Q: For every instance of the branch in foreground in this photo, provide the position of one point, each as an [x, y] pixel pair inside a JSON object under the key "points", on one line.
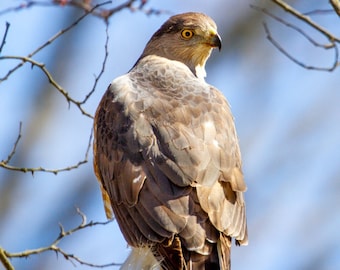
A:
{"points": [[4, 255], [4, 163]]}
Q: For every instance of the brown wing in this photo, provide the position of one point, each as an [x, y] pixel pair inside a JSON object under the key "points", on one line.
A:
{"points": [[169, 161]]}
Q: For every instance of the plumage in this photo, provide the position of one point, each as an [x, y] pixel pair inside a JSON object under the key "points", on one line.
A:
{"points": [[166, 153]]}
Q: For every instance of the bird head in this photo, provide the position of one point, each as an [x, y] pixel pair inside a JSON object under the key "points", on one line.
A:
{"points": [[188, 38]]}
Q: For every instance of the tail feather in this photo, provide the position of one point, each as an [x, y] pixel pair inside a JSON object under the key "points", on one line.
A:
{"points": [[174, 256], [223, 250], [170, 255], [141, 258]]}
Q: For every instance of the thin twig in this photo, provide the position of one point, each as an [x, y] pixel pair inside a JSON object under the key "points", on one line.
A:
{"points": [[282, 50], [87, 7], [4, 163], [84, 224], [318, 12], [51, 80], [4, 37], [294, 27], [106, 54], [54, 245], [52, 39], [331, 45], [23, 5], [108, 13], [41, 169], [306, 19], [11, 154]]}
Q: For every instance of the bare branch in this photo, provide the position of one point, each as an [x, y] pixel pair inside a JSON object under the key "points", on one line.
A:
{"points": [[84, 224], [23, 5], [11, 154], [101, 72], [4, 37], [4, 163], [51, 40], [4, 260], [294, 27], [88, 7], [277, 45], [108, 13], [331, 38], [336, 6], [4, 255], [318, 12], [51, 81], [306, 19]]}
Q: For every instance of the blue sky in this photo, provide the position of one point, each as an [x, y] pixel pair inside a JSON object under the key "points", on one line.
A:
{"points": [[287, 119]]}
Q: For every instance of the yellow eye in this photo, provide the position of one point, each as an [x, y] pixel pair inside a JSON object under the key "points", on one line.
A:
{"points": [[187, 34]]}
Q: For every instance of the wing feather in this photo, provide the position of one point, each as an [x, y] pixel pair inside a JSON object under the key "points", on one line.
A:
{"points": [[168, 159]]}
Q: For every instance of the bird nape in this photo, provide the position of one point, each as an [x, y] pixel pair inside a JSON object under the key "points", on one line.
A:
{"points": [[166, 154]]}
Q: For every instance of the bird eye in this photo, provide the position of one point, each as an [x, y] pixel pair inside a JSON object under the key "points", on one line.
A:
{"points": [[187, 34]]}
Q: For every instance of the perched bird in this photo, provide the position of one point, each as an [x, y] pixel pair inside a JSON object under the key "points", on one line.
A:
{"points": [[166, 154]]}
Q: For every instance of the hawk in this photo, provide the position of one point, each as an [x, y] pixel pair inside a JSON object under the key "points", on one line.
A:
{"points": [[166, 154]]}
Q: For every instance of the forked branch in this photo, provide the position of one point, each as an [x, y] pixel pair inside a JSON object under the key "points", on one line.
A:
{"points": [[5, 256], [333, 41], [5, 163]]}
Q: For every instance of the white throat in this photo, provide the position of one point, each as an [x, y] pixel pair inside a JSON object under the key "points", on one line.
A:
{"points": [[200, 72]]}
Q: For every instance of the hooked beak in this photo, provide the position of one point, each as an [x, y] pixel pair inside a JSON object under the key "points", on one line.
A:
{"points": [[216, 41]]}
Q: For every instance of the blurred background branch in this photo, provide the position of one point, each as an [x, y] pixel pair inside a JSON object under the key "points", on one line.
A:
{"points": [[336, 6], [333, 40], [90, 6]]}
